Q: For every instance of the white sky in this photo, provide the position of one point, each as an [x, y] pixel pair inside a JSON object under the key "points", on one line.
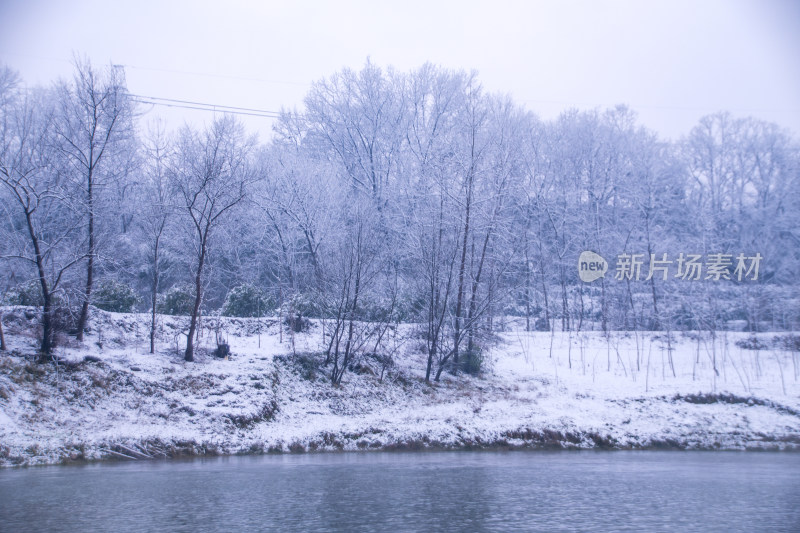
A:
{"points": [[672, 61]]}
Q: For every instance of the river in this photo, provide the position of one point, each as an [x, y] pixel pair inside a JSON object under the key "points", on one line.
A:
{"points": [[436, 491]]}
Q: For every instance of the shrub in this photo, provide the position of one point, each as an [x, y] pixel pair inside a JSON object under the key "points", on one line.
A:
{"points": [[115, 296], [28, 293], [246, 301], [307, 365], [222, 350], [65, 320], [297, 323], [63, 317], [177, 301], [300, 304], [472, 361], [375, 308], [751, 343], [787, 342]]}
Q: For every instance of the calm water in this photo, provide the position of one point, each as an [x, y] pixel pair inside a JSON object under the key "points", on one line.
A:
{"points": [[445, 491]]}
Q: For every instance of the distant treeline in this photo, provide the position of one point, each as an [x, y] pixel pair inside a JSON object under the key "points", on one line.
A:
{"points": [[393, 196]]}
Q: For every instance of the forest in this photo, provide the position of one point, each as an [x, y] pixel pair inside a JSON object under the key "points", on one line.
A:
{"points": [[391, 197]]}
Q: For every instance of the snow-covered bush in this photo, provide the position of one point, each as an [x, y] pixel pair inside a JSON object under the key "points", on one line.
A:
{"points": [[752, 343], [246, 301], [409, 308], [28, 293], [177, 301], [115, 296], [301, 304], [375, 309], [787, 342], [297, 323], [308, 366], [472, 361]]}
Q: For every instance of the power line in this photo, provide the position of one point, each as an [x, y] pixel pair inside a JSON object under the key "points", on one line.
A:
{"points": [[206, 109], [201, 106]]}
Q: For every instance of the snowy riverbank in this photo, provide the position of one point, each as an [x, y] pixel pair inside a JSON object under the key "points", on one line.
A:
{"points": [[570, 390]]}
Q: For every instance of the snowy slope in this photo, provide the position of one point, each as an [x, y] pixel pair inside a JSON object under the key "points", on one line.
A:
{"points": [[572, 390]]}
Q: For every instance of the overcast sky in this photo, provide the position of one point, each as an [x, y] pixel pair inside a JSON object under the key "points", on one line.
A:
{"points": [[671, 61]]}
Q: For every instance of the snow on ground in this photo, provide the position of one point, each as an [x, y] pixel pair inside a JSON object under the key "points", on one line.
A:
{"points": [[565, 389]]}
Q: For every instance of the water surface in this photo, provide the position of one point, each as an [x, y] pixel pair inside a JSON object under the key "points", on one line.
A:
{"points": [[440, 491]]}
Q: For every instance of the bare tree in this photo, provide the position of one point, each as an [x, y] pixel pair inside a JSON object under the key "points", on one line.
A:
{"points": [[297, 200], [210, 173], [156, 209], [474, 144], [40, 201], [434, 97], [357, 117], [353, 274], [93, 123]]}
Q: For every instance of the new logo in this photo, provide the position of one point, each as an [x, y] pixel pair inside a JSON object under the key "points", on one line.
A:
{"points": [[591, 266]]}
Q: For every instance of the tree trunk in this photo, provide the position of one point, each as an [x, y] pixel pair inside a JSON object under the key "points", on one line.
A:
{"points": [[47, 329], [656, 323], [564, 301], [153, 296], [461, 270], [198, 288], [84, 316], [2, 337], [527, 285], [438, 304], [47, 319], [441, 367], [338, 373], [433, 337], [543, 272], [429, 366]]}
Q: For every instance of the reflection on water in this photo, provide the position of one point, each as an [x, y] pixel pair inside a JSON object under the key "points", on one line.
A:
{"points": [[443, 491]]}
